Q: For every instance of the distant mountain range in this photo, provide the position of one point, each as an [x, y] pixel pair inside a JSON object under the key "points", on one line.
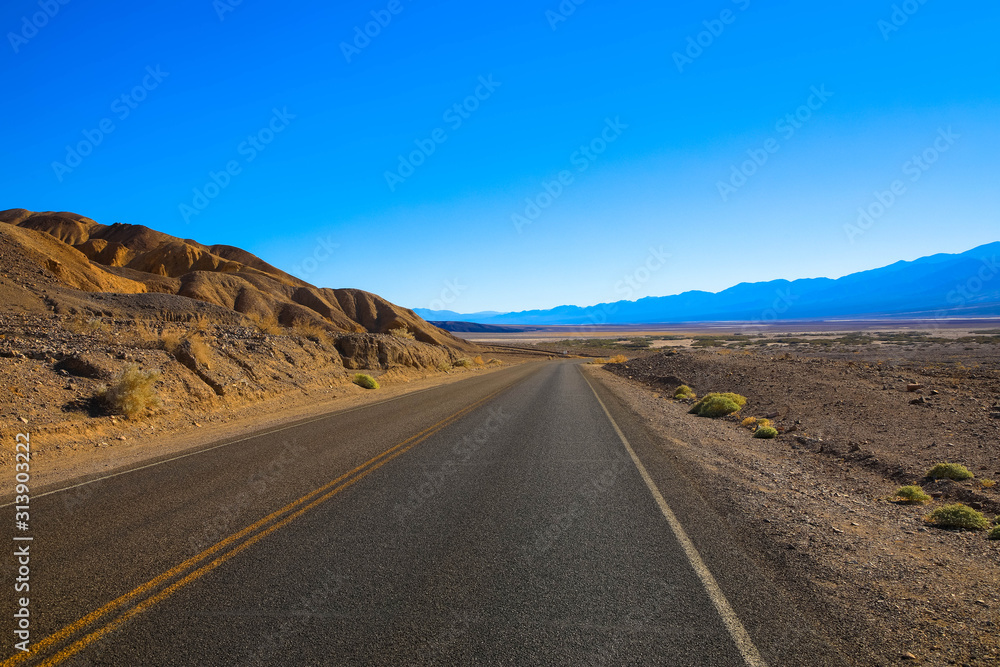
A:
{"points": [[938, 286]]}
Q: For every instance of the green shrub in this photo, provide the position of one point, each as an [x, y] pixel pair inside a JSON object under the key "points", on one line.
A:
{"points": [[949, 471], [684, 393], [912, 495], [958, 515], [131, 393], [994, 533], [718, 405], [464, 363], [365, 381], [766, 432]]}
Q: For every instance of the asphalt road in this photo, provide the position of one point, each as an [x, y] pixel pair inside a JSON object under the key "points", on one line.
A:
{"points": [[501, 520]]}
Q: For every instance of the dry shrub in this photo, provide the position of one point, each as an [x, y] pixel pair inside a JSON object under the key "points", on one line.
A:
{"points": [[86, 325], [171, 339], [402, 332], [266, 324], [312, 331], [201, 352], [131, 393], [618, 359], [147, 336], [478, 360], [201, 323]]}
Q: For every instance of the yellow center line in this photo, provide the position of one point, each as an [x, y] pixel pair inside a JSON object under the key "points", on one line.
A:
{"points": [[360, 471]]}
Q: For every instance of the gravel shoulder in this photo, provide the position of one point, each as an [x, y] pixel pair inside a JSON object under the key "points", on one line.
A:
{"points": [[817, 500]]}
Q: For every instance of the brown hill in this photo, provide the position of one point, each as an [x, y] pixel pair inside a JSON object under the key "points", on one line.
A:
{"points": [[59, 260]]}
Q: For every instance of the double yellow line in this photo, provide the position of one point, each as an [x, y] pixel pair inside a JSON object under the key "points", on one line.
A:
{"points": [[152, 592]]}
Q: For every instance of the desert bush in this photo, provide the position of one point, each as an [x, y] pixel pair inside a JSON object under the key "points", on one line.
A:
{"points": [[463, 363], [912, 495], [618, 359], [444, 367], [365, 381], [86, 325], [493, 362], [749, 422], [201, 323], [131, 392], [309, 329], [987, 483], [953, 471], [598, 361], [147, 336], [958, 515], [684, 393], [171, 339], [478, 360], [201, 351], [994, 533], [266, 324], [766, 433], [718, 405], [402, 332]]}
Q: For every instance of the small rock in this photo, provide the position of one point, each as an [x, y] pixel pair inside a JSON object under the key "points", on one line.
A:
{"points": [[122, 437], [908, 656], [918, 401], [913, 386], [24, 419]]}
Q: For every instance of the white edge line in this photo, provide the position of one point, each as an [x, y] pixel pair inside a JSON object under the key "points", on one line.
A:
{"points": [[732, 622], [224, 444]]}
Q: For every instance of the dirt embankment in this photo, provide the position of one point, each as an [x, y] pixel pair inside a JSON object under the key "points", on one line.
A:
{"points": [[817, 500]]}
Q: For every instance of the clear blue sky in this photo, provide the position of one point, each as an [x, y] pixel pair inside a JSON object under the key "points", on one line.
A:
{"points": [[322, 178]]}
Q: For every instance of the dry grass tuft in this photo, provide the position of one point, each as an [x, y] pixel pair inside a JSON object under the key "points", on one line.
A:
{"points": [[266, 324], [618, 359], [402, 332], [313, 331], [131, 393]]}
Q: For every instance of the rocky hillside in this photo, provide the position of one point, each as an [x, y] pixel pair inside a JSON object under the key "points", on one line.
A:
{"points": [[68, 264]]}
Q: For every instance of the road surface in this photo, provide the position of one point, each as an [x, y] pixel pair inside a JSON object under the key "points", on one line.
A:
{"points": [[521, 517]]}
